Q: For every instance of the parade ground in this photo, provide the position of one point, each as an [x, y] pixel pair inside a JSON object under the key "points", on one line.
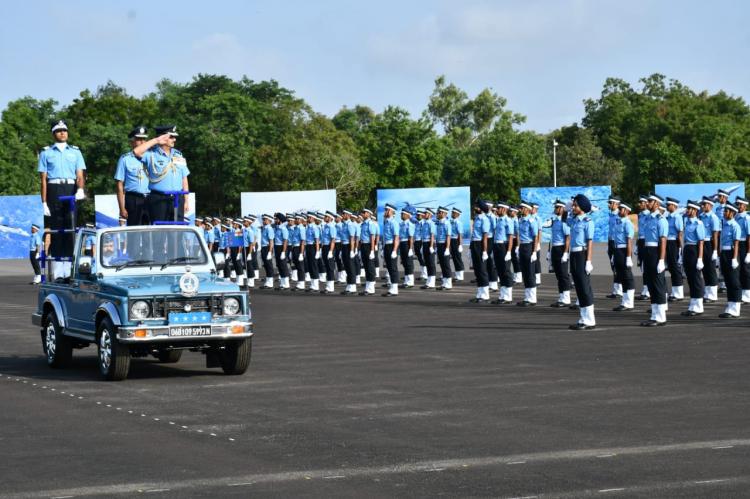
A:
{"points": [[423, 395]]}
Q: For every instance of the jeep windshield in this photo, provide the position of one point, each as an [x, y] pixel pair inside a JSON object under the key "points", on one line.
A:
{"points": [[159, 247]]}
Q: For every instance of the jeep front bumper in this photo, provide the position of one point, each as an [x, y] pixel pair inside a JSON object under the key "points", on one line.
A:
{"points": [[150, 334]]}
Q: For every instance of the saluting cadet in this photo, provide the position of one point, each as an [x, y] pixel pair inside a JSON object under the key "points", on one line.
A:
{"points": [[528, 232], [391, 241], [581, 251], [743, 219], [348, 252], [418, 225], [560, 253], [457, 247], [132, 181], [731, 235], [367, 251], [480, 232], [674, 248], [341, 271], [312, 251], [328, 246], [443, 241], [517, 276], [429, 231], [623, 233], [502, 249], [266, 253], [712, 226], [643, 212], [60, 169], [406, 246], [613, 216], [538, 249], [35, 246], [655, 229], [692, 258]]}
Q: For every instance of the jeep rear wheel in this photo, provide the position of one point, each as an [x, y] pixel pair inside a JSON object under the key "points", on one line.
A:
{"points": [[235, 358], [57, 347], [114, 357]]}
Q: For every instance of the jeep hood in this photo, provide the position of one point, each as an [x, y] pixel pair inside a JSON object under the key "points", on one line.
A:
{"points": [[169, 284]]}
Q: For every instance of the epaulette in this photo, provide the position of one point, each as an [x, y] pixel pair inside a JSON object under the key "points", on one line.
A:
{"points": [[73, 147], [586, 219], [45, 148], [176, 152]]}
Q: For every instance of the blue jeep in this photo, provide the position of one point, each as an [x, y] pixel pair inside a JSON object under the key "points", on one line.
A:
{"points": [[140, 291]]}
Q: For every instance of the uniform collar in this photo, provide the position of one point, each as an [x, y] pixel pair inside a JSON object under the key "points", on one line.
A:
{"points": [[56, 144]]}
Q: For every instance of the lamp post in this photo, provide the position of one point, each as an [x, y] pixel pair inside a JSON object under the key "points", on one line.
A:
{"points": [[554, 162]]}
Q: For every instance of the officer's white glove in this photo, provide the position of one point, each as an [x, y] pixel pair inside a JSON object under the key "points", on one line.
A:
{"points": [[317, 255], [507, 256], [715, 256], [447, 251], [372, 255], [432, 250], [301, 257], [352, 254], [330, 255], [283, 256], [660, 267], [735, 263], [612, 261], [565, 257], [269, 255], [393, 254], [411, 252], [589, 267], [46, 210], [79, 194], [460, 248], [516, 250], [484, 256], [699, 264], [249, 258], [679, 260], [533, 256], [747, 259], [629, 261]]}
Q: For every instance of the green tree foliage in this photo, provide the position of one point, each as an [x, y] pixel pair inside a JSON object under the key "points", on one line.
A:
{"points": [[580, 157]]}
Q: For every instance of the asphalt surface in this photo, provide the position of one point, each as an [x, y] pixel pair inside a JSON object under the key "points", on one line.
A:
{"points": [[423, 395]]}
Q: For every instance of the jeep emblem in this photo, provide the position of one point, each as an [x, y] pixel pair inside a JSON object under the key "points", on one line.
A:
{"points": [[189, 284]]}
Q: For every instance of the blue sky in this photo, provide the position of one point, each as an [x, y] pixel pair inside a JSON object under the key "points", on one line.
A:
{"points": [[544, 57]]}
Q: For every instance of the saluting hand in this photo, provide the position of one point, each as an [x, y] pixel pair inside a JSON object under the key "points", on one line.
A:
{"points": [[163, 139]]}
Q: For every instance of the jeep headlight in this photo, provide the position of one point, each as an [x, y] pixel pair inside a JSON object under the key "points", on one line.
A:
{"points": [[139, 310], [231, 306]]}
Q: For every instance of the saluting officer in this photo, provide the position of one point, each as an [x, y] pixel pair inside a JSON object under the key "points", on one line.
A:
{"points": [[623, 233], [528, 234], [429, 231], [674, 248], [743, 219], [443, 240], [655, 230], [367, 251], [502, 249], [266, 253], [132, 182], [60, 168], [581, 252], [712, 225], [731, 235], [391, 241], [457, 247], [406, 246], [643, 213], [692, 258], [613, 216], [328, 246], [560, 253], [480, 232]]}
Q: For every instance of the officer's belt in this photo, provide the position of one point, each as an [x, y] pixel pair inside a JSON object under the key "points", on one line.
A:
{"points": [[61, 181], [726, 248], [134, 193], [651, 244], [621, 246], [559, 244], [577, 249], [691, 244], [672, 238]]}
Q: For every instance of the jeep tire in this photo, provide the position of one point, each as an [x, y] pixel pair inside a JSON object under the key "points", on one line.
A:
{"points": [[114, 357], [235, 357], [58, 348], [169, 356]]}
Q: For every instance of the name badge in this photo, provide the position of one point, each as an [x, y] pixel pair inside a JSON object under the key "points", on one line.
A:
{"points": [[179, 160]]}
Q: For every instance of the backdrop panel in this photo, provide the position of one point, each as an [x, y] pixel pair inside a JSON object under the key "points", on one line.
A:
{"points": [[17, 213], [429, 197], [546, 197], [287, 201], [108, 211], [683, 192]]}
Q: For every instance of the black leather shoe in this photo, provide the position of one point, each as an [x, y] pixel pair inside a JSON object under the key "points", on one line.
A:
{"points": [[363, 293], [574, 307], [708, 300], [673, 299], [621, 308], [478, 300], [388, 294], [581, 327], [722, 291], [725, 315], [643, 298], [611, 295], [525, 304], [559, 304], [690, 313], [650, 323], [348, 293]]}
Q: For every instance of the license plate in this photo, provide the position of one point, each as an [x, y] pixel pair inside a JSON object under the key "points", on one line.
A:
{"points": [[190, 331]]}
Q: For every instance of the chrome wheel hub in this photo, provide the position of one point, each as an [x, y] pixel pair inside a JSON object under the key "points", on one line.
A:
{"points": [[49, 339], [105, 350]]}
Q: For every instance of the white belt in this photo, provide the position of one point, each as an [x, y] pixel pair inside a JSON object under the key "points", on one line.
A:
{"points": [[622, 246], [671, 239], [726, 248], [558, 244], [61, 181], [576, 249], [652, 245]]}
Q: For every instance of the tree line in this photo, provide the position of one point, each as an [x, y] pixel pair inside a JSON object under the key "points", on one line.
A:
{"points": [[258, 136]]}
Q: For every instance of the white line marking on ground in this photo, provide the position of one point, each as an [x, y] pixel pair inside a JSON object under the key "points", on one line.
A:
{"points": [[723, 447], [716, 480], [333, 477], [239, 484], [606, 455], [517, 462], [604, 491]]}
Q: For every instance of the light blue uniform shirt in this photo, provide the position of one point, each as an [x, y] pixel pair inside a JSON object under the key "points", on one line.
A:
{"points": [[503, 228], [35, 241], [614, 216], [528, 227], [493, 223], [357, 230], [223, 236], [248, 236], [418, 230], [581, 230], [346, 231], [694, 231], [443, 230], [743, 220], [266, 235], [57, 163], [217, 233], [390, 230], [655, 227], [312, 233], [280, 234], [712, 224], [165, 171], [730, 232], [561, 230], [641, 217], [328, 233], [295, 235], [675, 225], [132, 174], [339, 231], [406, 230], [368, 229], [622, 230], [428, 230], [209, 236], [457, 227], [480, 228]]}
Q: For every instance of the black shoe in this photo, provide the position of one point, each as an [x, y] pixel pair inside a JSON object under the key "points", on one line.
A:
{"points": [[722, 291], [388, 294], [643, 298], [612, 295], [478, 300], [690, 313], [622, 308], [427, 287], [384, 285], [559, 304], [725, 315], [673, 299], [525, 304], [650, 323], [266, 287], [364, 293], [574, 307], [581, 327], [707, 300], [348, 293]]}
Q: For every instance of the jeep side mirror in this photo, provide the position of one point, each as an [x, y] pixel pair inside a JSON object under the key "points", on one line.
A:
{"points": [[219, 261], [84, 265]]}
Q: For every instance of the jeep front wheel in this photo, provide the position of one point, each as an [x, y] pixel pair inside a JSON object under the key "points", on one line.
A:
{"points": [[114, 357], [57, 347], [235, 357]]}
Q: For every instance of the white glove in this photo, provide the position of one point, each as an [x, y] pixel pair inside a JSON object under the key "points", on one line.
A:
{"points": [[484, 256], [660, 267], [330, 255], [283, 256], [460, 248], [432, 249], [629, 261], [507, 256], [447, 251], [714, 256], [79, 194], [301, 257], [549, 256], [352, 254], [612, 261], [269, 256], [372, 255], [533, 256], [747, 259], [679, 260], [589, 267], [46, 210], [317, 255], [393, 254], [565, 257], [735, 263], [411, 252], [699, 264], [516, 250]]}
